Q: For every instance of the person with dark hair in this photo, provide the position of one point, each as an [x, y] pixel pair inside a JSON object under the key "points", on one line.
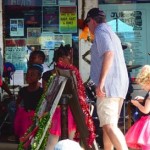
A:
{"points": [[62, 54], [38, 57], [109, 73], [27, 100]]}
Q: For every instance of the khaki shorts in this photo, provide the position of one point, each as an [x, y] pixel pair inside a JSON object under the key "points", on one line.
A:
{"points": [[108, 110]]}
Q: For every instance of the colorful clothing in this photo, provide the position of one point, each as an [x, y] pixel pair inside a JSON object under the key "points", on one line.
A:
{"points": [[23, 121], [25, 113], [55, 128], [138, 136]]}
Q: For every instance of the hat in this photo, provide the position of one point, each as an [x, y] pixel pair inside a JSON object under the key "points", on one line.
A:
{"points": [[94, 12], [39, 67], [9, 69], [67, 145]]}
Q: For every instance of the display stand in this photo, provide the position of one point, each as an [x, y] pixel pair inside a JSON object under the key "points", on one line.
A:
{"points": [[71, 89]]}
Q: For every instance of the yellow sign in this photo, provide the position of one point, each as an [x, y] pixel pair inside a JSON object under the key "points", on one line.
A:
{"points": [[68, 20]]}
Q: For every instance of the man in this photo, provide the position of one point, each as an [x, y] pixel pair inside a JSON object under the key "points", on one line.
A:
{"points": [[109, 73]]}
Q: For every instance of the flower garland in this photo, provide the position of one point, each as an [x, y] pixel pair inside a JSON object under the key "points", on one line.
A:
{"points": [[82, 101]]}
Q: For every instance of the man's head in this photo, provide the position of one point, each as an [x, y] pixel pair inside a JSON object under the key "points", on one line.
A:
{"points": [[96, 14]]}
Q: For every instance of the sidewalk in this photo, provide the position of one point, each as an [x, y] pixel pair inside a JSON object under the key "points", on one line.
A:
{"points": [[8, 146]]}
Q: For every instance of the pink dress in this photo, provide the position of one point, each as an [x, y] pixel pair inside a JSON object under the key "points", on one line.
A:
{"points": [[23, 120], [138, 136], [55, 127]]}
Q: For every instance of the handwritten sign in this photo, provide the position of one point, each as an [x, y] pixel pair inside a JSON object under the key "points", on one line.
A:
{"points": [[68, 20]]}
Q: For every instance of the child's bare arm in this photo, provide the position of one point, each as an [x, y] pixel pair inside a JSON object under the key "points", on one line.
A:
{"points": [[139, 98], [144, 109]]}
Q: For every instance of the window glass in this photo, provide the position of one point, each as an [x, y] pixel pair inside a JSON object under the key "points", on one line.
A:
{"points": [[122, 1], [38, 25], [131, 23]]}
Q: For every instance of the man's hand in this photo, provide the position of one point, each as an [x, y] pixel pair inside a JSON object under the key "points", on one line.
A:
{"points": [[100, 92]]}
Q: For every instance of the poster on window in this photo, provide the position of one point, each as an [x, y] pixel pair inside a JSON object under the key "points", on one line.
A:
{"points": [[48, 2], [49, 54], [23, 2], [16, 53], [68, 20], [51, 18], [63, 39], [17, 27], [67, 2], [33, 18], [33, 35], [47, 40], [52, 41]]}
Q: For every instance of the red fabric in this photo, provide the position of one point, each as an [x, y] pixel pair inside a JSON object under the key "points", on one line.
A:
{"points": [[1, 81], [23, 121], [56, 122]]}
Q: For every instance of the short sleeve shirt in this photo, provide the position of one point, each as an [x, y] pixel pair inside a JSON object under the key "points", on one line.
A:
{"points": [[117, 81]]}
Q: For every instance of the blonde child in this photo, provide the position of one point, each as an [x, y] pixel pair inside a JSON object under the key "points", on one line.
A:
{"points": [[138, 136]]}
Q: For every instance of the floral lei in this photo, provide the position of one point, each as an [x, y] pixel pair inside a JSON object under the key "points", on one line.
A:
{"points": [[82, 101]]}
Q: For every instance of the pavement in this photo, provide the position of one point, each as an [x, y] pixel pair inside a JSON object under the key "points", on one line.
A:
{"points": [[8, 146]]}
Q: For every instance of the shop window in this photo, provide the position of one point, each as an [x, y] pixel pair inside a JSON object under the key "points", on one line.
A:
{"points": [[38, 25], [130, 20]]}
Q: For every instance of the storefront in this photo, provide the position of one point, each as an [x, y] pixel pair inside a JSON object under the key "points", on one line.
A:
{"points": [[28, 25], [130, 20], [37, 25]]}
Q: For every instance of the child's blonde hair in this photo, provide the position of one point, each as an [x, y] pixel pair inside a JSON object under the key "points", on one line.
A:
{"points": [[143, 76]]}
